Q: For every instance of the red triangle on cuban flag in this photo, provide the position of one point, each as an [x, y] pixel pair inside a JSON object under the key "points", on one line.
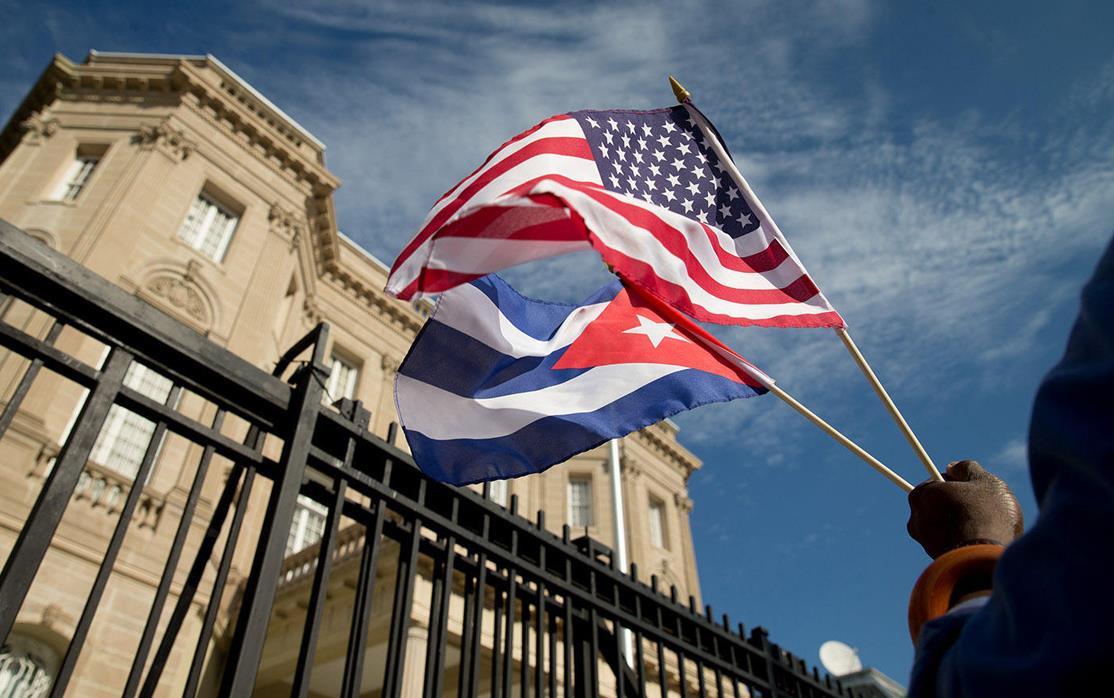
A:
{"points": [[637, 328]]}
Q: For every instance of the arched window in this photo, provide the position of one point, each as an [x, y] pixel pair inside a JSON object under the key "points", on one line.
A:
{"points": [[27, 667]]}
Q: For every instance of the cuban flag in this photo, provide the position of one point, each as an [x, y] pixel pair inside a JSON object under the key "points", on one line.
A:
{"points": [[498, 385]]}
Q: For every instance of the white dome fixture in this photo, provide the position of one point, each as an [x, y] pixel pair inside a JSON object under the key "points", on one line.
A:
{"points": [[839, 658]]}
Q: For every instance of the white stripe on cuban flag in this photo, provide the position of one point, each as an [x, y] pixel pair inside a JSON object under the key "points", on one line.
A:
{"points": [[498, 385]]}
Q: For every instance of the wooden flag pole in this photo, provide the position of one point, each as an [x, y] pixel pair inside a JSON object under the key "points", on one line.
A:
{"points": [[682, 96], [906, 430], [839, 437]]}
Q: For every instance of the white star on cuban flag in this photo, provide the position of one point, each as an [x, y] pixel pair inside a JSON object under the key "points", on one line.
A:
{"points": [[656, 332]]}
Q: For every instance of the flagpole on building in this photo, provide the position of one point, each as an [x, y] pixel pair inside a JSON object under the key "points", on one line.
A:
{"points": [[683, 96], [620, 535]]}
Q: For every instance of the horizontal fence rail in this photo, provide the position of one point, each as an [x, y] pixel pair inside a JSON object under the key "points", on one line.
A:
{"points": [[414, 588]]}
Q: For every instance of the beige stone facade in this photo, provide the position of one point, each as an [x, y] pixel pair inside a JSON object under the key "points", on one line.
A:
{"points": [[174, 179]]}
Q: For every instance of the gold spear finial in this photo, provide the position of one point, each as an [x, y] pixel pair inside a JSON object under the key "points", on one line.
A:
{"points": [[679, 90]]}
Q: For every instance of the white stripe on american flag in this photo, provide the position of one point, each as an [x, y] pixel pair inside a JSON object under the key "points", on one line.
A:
{"points": [[485, 256], [552, 128], [645, 245], [617, 233], [555, 132]]}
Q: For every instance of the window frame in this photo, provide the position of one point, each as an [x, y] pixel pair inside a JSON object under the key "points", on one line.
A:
{"points": [[196, 236], [498, 491], [659, 538], [299, 525], [117, 420], [588, 506], [76, 177], [352, 381]]}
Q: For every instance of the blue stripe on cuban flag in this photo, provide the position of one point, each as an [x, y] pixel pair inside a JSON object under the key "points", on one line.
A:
{"points": [[490, 388]]}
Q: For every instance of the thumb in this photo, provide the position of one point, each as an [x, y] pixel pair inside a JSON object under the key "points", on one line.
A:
{"points": [[966, 471]]}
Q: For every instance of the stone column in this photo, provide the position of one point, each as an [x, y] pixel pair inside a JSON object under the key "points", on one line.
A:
{"points": [[413, 671]]}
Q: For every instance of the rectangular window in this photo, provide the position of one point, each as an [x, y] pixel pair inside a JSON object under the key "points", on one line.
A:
{"points": [[497, 492], [76, 176], [125, 436], [657, 524], [580, 502], [308, 526], [343, 376], [208, 227]]}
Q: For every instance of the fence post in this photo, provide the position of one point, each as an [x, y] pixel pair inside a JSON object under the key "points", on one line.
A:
{"points": [[246, 649], [34, 540], [771, 652]]}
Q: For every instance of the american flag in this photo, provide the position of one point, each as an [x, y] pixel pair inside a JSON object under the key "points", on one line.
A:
{"points": [[646, 191]]}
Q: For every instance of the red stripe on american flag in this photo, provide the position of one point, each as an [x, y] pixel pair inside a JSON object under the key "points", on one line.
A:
{"points": [[513, 223], [648, 282], [766, 260], [438, 280], [801, 289], [644, 276], [571, 147], [524, 134]]}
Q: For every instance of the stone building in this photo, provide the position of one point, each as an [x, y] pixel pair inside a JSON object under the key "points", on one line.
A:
{"points": [[176, 180]]}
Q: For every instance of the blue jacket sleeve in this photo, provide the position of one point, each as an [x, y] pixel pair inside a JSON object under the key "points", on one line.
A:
{"points": [[1048, 628]]}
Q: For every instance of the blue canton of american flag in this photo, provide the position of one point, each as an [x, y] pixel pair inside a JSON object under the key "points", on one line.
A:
{"points": [[661, 157], [643, 189]]}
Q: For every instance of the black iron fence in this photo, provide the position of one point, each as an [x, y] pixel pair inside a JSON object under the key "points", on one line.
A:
{"points": [[434, 590]]}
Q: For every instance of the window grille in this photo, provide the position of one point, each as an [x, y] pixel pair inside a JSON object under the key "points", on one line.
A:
{"points": [[343, 376], [308, 526], [580, 502], [27, 668], [497, 492], [208, 227], [76, 177], [125, 435], [657, 524]]}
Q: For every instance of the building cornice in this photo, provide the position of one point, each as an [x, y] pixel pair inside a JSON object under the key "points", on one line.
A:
{"points": [[661, 438], [202, 83], [392, 312]]}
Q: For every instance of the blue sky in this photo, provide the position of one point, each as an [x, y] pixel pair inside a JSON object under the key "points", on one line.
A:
{"points": [[943, 169]]}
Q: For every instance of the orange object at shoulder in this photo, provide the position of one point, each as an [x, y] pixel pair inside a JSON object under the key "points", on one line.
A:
{"points": [[950, 576]]}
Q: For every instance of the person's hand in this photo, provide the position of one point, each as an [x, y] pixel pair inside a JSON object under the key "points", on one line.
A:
{"points": [[971, 506]]}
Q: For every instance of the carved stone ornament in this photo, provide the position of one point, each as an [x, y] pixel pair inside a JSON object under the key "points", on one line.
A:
{"points": [[171, 141], [54, 618], [389, 364], [683, 503], [312, 311], [36, 129], [180, 293], [631, 468], [286, 224]]}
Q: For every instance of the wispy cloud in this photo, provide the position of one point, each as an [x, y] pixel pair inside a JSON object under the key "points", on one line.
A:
{"points": [[941, 238], [1013, 457], [942, 243]]}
